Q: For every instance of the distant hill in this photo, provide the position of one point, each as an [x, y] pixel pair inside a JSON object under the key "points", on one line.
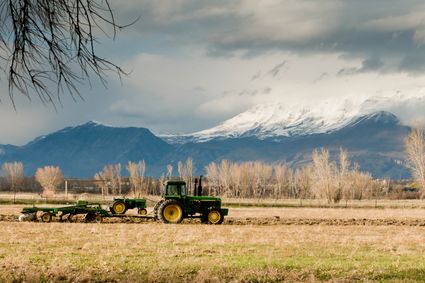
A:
{"points": [[375, 141], [83, 150]]}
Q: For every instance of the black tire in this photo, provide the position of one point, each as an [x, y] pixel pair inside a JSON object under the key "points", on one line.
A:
{"points": [[170, 211], [90, 217], [142, 211], [155, 209], [70, 218], [118, 207], [204, 219], [46, 217], [98, 218], [214, 216]]}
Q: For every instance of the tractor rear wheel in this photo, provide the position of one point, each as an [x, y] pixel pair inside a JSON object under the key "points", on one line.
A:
{"points": [[215, 216], [155, 209], [46, 217], [170, 211], [119, 207]]}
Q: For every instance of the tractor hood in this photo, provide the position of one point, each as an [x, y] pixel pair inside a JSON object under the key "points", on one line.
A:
{"points": [[205, 198]]}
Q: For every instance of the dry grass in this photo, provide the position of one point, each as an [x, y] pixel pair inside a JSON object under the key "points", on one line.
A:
{"points": [[153, 252], [328, 213]]}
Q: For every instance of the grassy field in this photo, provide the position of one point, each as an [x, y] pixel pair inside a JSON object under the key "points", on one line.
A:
{"points": [[153, 252], [303, 244]]}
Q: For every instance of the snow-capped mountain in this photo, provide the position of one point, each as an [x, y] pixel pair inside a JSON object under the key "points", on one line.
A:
{"points": [[277, 120], [370, 130]]}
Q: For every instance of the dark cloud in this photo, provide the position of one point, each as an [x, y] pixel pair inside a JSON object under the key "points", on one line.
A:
{"points": [[390, 30]]}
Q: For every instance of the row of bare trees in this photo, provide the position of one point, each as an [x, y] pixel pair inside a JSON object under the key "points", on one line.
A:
{"points": [[323, 178], [49, 177], [110, 179]]}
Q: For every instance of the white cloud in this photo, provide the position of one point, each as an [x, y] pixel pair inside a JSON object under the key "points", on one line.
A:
{"points": [[196, 63]]}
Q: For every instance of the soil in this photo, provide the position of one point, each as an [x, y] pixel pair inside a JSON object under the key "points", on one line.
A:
{"points": [[257, 221]]}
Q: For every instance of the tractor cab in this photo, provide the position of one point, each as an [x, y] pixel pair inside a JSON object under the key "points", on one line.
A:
{"points": [[174, 188]]}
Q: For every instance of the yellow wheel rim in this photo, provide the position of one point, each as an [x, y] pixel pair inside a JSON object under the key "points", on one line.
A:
{"points": [[119, 208], [142, 211], [214, 216], [45, 217], [172, 213]]}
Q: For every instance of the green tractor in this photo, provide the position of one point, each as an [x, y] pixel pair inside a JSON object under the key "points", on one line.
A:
{"points": [[121, 205], [177, 205]]}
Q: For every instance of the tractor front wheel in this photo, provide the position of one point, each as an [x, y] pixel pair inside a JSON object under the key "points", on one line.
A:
{"points": [[215, 216], [119, 207], [46, 217], [170, 211]]}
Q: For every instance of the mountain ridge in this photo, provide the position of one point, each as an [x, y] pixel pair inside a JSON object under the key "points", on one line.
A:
{"points": [[278, 120], [375, 141]]}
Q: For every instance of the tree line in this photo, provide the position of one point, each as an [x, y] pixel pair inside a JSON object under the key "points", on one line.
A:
{"points": [[323, 178]]}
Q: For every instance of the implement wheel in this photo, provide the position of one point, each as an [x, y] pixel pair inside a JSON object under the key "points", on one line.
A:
{"points": [[170, 211], [142, 211], [119, 207], [215, 216], [46, 217], [70, 218]]}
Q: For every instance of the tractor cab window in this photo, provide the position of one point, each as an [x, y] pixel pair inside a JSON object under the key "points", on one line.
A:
{"points": [[183, 190], [172, 190]]}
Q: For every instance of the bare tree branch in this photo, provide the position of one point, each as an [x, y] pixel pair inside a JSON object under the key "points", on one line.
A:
{"points": [[52, 42]]}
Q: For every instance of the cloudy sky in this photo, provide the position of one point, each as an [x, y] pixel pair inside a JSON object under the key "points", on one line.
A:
{"points": [[196, 63]]}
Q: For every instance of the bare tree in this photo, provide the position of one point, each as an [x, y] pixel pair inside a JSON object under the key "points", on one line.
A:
{"points": [[180, 170], [47, 42], [188, 176], [344, 176], [49, 177], [110, 178], [169, 171], [117, 177], [137, 175], [213, 177], [103, 182], [225, 176], [324, 176], [415, 152], [15, 175], [280, 172], [302, 180], [362, 185], [264, 173]]}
